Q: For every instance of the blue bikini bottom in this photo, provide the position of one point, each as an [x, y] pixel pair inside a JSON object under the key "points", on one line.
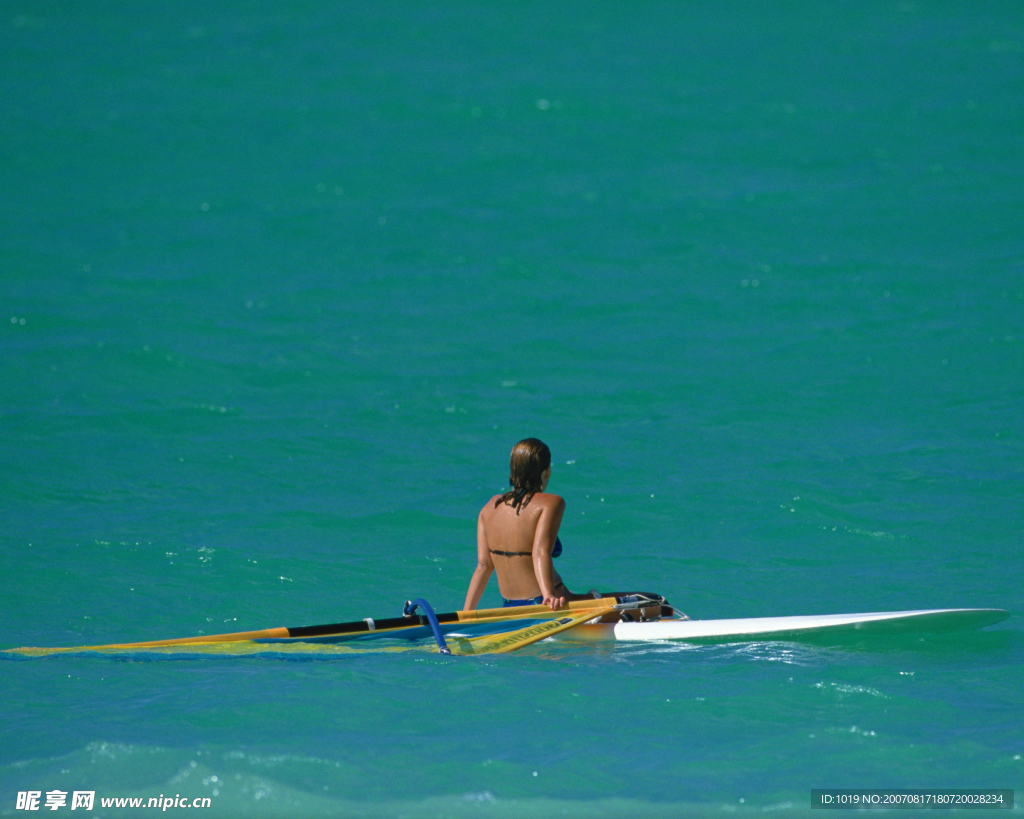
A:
{"points": [[531, 602]]}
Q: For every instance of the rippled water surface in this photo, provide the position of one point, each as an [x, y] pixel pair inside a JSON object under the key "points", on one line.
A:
{"points": [[281, 284]]}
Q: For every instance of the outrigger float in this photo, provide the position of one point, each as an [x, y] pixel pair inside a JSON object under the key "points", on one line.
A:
{"points": [[497, 631]]}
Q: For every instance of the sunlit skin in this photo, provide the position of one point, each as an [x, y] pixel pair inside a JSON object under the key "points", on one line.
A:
{"points": [[532, 530]]}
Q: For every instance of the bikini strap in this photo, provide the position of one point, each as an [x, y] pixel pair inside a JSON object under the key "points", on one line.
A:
{"points": [[554, 552]]}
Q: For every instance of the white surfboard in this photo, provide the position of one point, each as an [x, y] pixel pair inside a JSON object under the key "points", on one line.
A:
{"points": [[781, 628]]}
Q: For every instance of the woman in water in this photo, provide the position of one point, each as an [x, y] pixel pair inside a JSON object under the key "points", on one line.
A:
{"points": [[517, 535]]}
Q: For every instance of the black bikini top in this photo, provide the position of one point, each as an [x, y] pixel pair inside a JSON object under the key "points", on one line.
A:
{"points": [[556, 552]]}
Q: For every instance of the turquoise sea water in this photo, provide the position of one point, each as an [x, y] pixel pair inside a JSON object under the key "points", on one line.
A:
{"points": [[282, 283]]}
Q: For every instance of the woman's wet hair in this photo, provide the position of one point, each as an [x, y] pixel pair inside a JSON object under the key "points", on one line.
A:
{"points": [[530, 457]]}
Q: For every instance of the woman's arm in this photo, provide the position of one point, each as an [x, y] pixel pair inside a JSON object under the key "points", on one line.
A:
{"points": [[484, 567], [477, 584], [544, 542]]}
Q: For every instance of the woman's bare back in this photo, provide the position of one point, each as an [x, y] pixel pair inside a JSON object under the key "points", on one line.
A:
{"points": [[518, 544]]}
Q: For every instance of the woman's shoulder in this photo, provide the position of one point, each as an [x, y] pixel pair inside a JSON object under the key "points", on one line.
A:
{"points": [[539, 501], [491, 505], [549, 500]]}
